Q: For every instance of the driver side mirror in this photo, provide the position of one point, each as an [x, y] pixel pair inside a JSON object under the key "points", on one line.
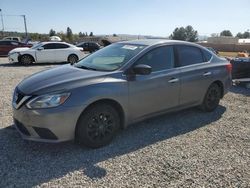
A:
{"points": [[40, 48], [142, 69]]}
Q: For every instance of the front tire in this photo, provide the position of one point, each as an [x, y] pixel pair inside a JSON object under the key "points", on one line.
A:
{"points": [[26, 60], [212, 98], [72, 59], [97, 126]]}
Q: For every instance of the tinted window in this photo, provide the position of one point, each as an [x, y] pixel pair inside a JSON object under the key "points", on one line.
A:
{"points": [[207, 55], [50, 46], [159, 59], [59, 46], [189, 55], [5, 43]]}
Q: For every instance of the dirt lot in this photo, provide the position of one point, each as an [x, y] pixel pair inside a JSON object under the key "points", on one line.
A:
{"points": [[185, 149]]}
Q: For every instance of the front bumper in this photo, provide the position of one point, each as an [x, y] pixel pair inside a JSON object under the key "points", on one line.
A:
{"points": [[47, 125], [13, 58]]}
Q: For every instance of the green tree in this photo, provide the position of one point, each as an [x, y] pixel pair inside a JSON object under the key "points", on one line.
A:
{"points": [[91, 34], [52, 32], [81, 34], [226, 33], [186, 34], [114, 35], [191, 34], [69, 34], [239, 35], [179, 34], [246, 35]]}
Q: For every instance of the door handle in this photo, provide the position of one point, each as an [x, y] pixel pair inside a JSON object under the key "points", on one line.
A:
{"points": [[207, 74], [173, 80]]}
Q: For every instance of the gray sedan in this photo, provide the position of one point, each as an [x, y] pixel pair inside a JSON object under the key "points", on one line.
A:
{"points": [[118, 85]]}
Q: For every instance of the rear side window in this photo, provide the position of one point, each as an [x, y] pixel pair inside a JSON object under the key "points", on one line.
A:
{"points": [[60, 46], [189, 55], [207, 55], [161, 58]]}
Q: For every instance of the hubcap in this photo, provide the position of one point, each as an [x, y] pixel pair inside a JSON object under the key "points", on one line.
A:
{"points": [[26, 60], [72, 59], [100, 126]]}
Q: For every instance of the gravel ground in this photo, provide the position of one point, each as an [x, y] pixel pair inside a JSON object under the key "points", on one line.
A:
{"points": [[185, 149]]}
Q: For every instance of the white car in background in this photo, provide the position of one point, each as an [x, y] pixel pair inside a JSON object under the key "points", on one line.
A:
{"points": [[47, 52]]}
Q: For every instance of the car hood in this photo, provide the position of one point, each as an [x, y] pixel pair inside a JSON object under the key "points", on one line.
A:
{"points": [[19, 49], [60, 78]]}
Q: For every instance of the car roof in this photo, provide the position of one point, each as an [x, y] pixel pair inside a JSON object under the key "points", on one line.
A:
{"points": [[53, 42], [10, 41], [153, 42]]}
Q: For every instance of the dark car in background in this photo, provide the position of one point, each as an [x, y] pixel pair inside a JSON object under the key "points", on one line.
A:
{"points": [[89, 46], [240, 67], [8, 45]]}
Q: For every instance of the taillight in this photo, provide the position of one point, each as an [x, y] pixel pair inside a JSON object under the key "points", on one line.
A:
{"points": [[229, 67]]}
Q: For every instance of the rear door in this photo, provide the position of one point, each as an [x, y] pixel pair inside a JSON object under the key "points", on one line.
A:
{"points": [[62, 52], [157, 91], [195, 76]]}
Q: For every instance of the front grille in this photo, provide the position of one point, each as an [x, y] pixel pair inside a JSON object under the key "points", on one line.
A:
{"points": [[19, 98], [45, 133], [21, 128]]}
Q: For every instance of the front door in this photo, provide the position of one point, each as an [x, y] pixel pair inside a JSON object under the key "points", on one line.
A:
{"points": [[46, 54], [157, 91]]}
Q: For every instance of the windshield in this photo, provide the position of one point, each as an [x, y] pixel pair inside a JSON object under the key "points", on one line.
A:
{"points": [[36, 46], [111, 57]]}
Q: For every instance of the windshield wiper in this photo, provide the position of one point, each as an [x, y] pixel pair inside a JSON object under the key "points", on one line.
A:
{"points": [[87, 68]]}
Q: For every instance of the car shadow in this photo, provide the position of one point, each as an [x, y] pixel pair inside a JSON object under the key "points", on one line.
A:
{"points": [[32, 65], [240, 89], [27, 164]]}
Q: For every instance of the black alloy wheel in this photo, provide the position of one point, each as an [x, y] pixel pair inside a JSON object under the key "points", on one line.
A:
{"points": [[98, 125], [26, 60], [212, 98]]}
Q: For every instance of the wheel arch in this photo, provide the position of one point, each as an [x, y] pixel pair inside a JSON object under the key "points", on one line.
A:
{"points": [[72, 54], [21, 55]]}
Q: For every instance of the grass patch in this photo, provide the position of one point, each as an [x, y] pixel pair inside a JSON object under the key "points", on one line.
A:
{"points": [[228, 54]]}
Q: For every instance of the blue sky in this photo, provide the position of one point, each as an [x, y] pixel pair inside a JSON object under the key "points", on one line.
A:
{"points": [[144, 17]]}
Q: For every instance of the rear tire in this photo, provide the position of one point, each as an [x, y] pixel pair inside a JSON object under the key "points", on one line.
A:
{"points": [[212, 98], [97, 126], [26, 60], [72, 58]]}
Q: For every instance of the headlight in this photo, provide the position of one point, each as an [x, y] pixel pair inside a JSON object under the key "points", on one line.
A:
{"points": [[12, 53], [48, 101]]}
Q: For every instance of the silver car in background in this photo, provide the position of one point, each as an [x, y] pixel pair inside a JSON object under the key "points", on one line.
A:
{"points": [[121, 84]]}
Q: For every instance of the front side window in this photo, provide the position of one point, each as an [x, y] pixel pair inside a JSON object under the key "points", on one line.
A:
{"points": [[50, 46], [161, 58], [189, 55], [111, 57]]}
